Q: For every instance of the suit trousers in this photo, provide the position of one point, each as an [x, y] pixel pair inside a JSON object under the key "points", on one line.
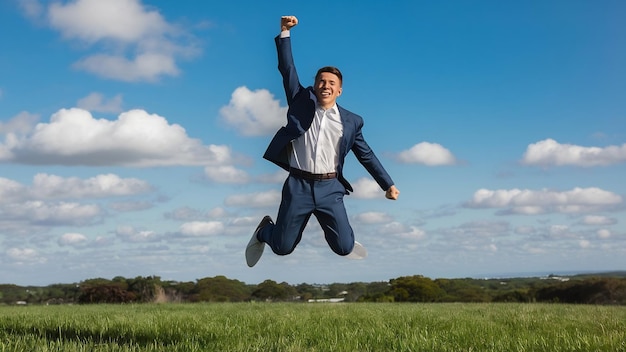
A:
{"points": [[302, 198]]}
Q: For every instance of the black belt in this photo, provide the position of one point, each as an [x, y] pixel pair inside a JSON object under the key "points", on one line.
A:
{"points": [[313, 177]]}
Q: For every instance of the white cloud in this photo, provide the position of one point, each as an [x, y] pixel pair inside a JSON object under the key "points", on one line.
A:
{"points": [[560, 231], [277, 177], [255, 200], [226, 174], [246, 221], [373, 218], [545, 201], [217, 212], [131, 206], [430, 154], [72, 239], [20, 124], [486, 229], [191, 214], [144, 67], [184, 213], [25, 208], [25, 255], [32, 9], [402, 231], [96, 102], [604, 234], [11, 191], [551, 153], [53, 187], [525, 230], [119, 27], [47, 187], [366, 188], [253, 113], [533, 249], [201, 228], [136, 138], [61, 213], [13, 130], [94, 20], [199, 249], [598, 220], [131, 234]]}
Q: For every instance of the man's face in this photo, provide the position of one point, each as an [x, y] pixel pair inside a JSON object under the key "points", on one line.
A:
{"points": [[327, 89]]}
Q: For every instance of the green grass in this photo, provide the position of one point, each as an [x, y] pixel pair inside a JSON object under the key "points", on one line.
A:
{"points": [[314, 327]]}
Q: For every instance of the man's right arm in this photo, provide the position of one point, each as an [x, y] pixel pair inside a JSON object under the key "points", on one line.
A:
{"points": [[286, 65]]}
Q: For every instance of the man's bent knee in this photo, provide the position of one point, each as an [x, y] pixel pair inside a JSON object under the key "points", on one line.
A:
{"points": [[343, 250], [282, 251]]}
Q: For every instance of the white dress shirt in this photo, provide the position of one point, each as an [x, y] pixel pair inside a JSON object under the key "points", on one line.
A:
{"points": [[317, 150]]}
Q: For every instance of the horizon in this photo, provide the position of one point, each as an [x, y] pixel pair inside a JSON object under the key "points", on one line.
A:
{"points": [[519, 275]]}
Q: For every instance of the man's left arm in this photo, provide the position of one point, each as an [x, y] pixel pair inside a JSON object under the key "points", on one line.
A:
{"points": [[368, 159]]}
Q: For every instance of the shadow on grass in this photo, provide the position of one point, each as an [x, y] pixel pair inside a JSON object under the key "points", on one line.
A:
{"points": [[112, 336]]}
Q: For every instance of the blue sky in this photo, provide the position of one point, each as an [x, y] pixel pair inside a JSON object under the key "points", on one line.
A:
{"points": [[131, 136]]}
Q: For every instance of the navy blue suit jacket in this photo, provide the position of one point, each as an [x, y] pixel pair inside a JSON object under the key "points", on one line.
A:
{"points": [[302, 102]]}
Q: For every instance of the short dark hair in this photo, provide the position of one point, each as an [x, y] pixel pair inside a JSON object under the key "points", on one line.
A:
{"points": [[330, 69]]}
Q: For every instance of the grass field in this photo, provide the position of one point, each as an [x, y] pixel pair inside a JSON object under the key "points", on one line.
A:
{"points": [[313, 327]]}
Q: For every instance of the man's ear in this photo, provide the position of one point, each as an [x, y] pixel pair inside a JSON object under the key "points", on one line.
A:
{"points": [[339, 91]]}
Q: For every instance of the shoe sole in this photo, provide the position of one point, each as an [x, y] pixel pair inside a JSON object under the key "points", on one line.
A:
{"points": [[255, 248], [358, 252]]}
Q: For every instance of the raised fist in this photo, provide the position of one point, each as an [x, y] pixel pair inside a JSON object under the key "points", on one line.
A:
{"points": [[288, 22]]}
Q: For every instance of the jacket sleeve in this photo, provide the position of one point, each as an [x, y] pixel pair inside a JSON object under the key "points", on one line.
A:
{"points": [[287, 68], [365, 155]]}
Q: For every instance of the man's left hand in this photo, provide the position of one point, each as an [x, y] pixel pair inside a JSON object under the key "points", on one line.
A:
{"points": [[392, 193]]}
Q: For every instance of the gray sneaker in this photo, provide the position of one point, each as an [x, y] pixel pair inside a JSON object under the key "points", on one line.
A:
{"points": [[255, 248], [358, 252]]}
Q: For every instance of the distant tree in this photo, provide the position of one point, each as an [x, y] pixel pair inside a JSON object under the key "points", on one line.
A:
{"points": [[13, 293], [187, 290], [513, 296], [588, 291], [462, 290], [377, 288], [615, 292], [60, 294], [105, 294], [355, 290], [608, 288], [120, 280], [379, 291], [378, 298], [144, 288], [271, 291], [307, 291], [335, 290], [415, 288], [221, 289], [99, 281]]}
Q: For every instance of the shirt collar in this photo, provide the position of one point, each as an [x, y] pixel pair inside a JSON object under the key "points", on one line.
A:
{"points": [[332, 110]]}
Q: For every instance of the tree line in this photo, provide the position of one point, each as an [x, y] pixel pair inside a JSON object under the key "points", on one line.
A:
{"points": [[608, 288]]}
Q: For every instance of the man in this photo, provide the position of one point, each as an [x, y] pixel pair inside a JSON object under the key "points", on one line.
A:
{"points": [[312, 147]]}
